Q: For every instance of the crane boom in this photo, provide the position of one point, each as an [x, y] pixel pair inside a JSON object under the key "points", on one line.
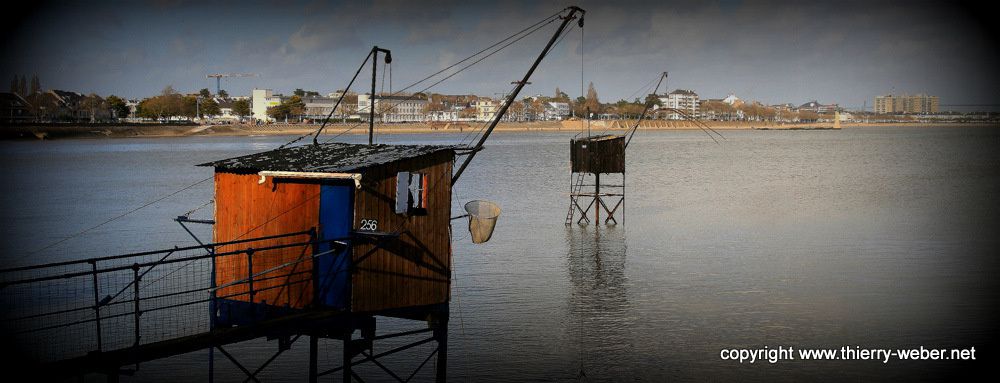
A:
{"points": [[218, 77], [573, 10]]}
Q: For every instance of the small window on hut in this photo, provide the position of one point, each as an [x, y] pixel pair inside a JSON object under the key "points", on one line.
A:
{"points": [[411, 193]]}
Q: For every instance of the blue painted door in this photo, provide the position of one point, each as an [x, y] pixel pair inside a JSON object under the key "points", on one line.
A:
{"points": [[336, 219]]}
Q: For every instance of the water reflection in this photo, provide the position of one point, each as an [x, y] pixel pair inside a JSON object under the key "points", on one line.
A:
{"points": [[601, 316]]}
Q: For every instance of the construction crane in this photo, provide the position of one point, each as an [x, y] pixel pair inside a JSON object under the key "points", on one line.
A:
{"points": [[218, 77]]}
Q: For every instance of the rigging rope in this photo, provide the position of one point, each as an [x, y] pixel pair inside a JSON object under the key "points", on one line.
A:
{"points": [[380, 91], [642, 90], [530, 29], [53, 244], [497, 50], [482, 128], [192, 211]]}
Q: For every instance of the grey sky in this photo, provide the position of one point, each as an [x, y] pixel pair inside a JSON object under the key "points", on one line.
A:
{"points": [[836, 52]]}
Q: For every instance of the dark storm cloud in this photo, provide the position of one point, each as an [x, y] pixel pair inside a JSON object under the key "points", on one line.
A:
{"points": [[842, 52]]}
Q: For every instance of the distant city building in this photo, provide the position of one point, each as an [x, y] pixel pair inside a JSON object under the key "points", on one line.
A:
{"points": [[133, 109], [485, 109], [398, 108], [710, 109], [816, 107], [319, 107], [402, 108], [226, 111], [442, 115], [14, 108], [364, 105], [681, 99], [68, 105], [731, 99], [888, 104], [555, 111], [261, 100], [906, 104], [783, 107]]}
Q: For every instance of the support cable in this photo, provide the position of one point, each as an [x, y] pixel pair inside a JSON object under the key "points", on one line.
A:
{"points": [[341, 98], [453, 74], [130, 211]]}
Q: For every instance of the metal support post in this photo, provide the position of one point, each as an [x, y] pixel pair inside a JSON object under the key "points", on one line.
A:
{"points": [[441, 334], [597, 198], [348, 355], [313, 358], [135, 289], [97, 305]]}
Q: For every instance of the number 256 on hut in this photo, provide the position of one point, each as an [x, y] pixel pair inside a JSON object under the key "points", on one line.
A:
{"points": [[380, 215]]}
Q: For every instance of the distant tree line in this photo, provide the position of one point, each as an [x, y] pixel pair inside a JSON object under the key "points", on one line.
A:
{"points": [[169, 103]]}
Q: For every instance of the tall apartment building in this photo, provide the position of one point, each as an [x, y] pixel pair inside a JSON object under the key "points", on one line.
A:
{"points": [[886, 104], [682, 99], [906, 104]]}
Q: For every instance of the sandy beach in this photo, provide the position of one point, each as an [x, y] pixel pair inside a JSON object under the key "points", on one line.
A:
{"points": [[158, 130]]}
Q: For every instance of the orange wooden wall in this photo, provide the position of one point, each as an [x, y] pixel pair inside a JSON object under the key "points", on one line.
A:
{"points": [[245, 209]]}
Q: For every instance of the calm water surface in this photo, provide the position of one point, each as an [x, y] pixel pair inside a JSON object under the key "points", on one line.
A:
{"points": [[876, 237]]}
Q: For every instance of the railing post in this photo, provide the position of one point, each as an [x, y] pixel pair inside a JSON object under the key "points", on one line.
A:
{"points": [[97, 305], [315, 268], [135, 288], [212, 314], [212, 298], [313, 360], [348, 354]]}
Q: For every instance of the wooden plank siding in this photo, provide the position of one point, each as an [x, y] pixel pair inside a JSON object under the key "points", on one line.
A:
{"points": [[604, 154], [414, 270], [246, 209]]}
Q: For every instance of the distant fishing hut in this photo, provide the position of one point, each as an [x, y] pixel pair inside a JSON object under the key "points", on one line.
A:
{"points": [[590, 157], [594, 155], [386, 209]]}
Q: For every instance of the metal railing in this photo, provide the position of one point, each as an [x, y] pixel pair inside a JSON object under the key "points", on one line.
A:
{"points": [[67, 309]]}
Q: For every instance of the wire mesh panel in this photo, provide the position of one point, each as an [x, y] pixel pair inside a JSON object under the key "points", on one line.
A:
{"points": [[64, 310]]}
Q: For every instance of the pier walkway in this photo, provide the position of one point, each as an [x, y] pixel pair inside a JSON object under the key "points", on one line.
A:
{"points": [[101, 315]]}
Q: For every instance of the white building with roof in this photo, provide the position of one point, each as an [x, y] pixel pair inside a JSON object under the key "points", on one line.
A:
{"points": [[398, 108], [485, 109], [555, 111], [681, 99]]}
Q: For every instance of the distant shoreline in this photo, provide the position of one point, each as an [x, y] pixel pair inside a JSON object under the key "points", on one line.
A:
{"points": [[32, 132]]}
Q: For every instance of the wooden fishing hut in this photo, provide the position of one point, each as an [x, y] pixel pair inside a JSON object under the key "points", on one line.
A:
{"points": [[594, 155], [379, 213], [590, 157]]}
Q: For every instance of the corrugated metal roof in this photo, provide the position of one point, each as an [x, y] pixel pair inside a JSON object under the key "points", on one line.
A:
{"points": [[331, 157]]}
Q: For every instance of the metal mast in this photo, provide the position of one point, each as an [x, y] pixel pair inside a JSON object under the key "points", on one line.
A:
{"points": [[573, 10]]}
